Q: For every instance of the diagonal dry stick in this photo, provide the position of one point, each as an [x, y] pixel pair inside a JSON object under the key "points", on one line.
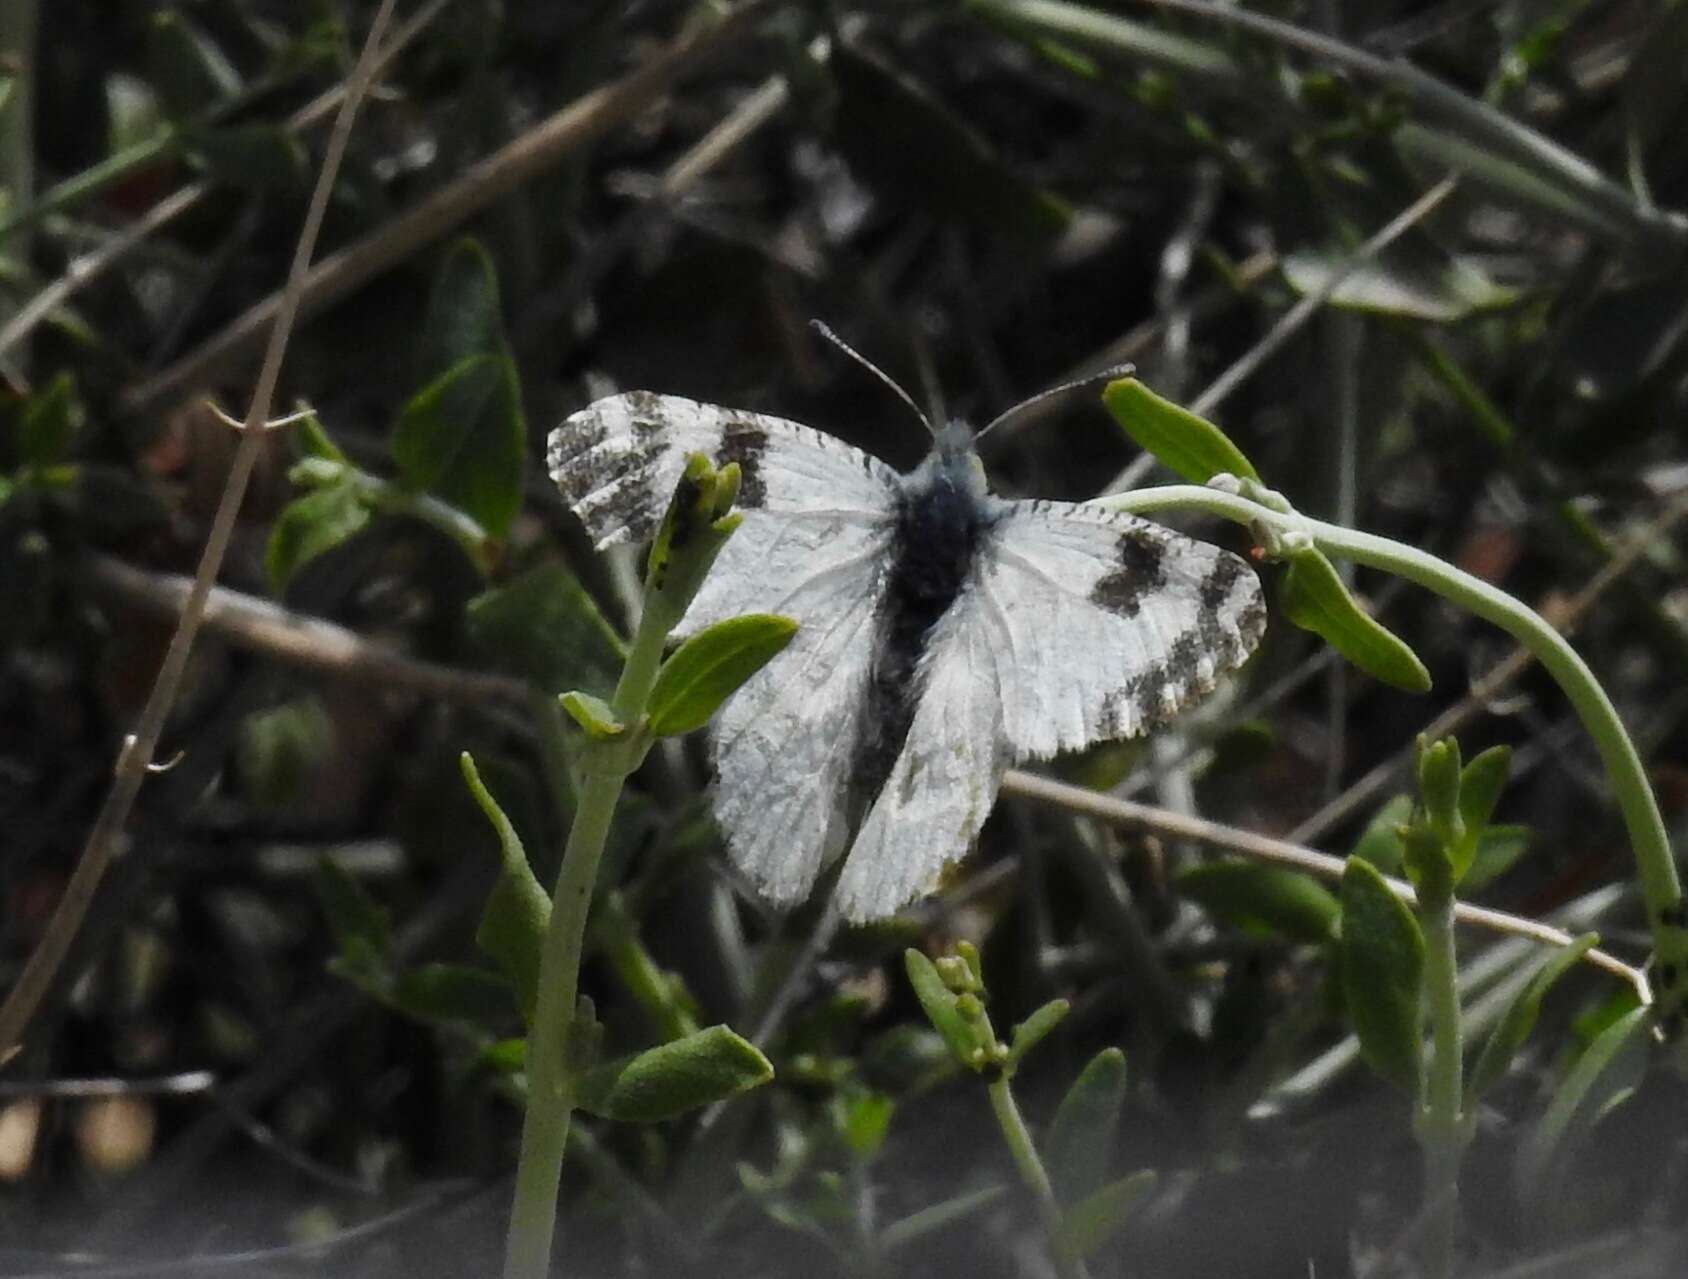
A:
{"points": [[135, 758], [1125, 812], [542, 147]]}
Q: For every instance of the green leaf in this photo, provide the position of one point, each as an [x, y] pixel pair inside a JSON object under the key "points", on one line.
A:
{"points": [[1099, 1216], [51, 418], [595, 716], [543, 627], [1413, 278], [462, 438], [1380, 842], [1263, 898], [1139, 41], [310, 526], [1080, 1145], [311, 439], [451, 993], [464, 317], [1480, 784], [1187, 445], [710, 667], [185, 68], [865, 1123], [250, 157], [362, 932], [902, 141], [938, 1216], [1031, 1032], [280, 749], [1382, 965], [1606, 1071], [1313, 597], [674, 1078], [1519, 1019], [513, 923], [1498, 850], [938, 1001]]}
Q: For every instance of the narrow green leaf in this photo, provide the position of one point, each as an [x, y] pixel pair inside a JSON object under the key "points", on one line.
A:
{"points": [[310, 526], [1261, 898], [1187, 445], [939, 1216], [674, 1078], [250, 157], [543, 627], [451, 993], [1031, 1032], [1498, 850], [362, 932], [280, 750], [1139, 41], [1099, 1216], [901, 140], [1080, 1145], [310, 437], [710, 667], [1380, 842], [595, 716], [1519, 1019], [1414, 278], [51, 419], [185, 68], [1480, 784], [513, 923], [938, 1001], [1606, 1070], [462, 438], [464, 317], [866, 1121], [1382, 965], [1313, 597]]}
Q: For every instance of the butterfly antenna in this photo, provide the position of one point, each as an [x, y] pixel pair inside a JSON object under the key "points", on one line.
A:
{"points": [[874, 369], [1108, 374]]}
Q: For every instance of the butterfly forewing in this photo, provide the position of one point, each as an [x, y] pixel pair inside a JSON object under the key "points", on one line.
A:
{"points": [[1111, 624], [617, 462]]}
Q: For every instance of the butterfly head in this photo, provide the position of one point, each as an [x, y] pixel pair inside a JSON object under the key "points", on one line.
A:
{"points": [[954, 461]]}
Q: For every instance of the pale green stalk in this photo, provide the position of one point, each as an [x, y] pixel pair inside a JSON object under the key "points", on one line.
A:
{"points": [[1442, 1126], [550, 1103]]}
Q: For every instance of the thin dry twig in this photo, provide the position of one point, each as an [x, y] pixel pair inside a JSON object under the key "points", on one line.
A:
{"points": [[339, 274], [84, 272], [296, 638], [135, 758], [1124, 812]]}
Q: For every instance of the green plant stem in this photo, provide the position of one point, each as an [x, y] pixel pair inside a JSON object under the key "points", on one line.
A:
{"points": [[550, 1104], [1442, 1129], [1655, 866], [1035, 1175]]}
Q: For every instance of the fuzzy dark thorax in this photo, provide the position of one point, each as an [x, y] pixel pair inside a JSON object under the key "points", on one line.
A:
{"points": [[942, 522]]}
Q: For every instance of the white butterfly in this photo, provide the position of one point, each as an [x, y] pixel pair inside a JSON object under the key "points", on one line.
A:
{"points": [[943, 634]]}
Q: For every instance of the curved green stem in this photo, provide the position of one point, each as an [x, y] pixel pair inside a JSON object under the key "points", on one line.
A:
{"points": [[1656, 868]]}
